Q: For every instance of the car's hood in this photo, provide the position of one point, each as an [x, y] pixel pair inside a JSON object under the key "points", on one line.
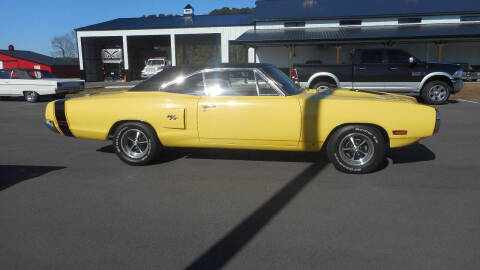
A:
{"points": [[360, 95]]}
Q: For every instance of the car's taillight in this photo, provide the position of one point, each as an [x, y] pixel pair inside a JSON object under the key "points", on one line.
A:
{"points": [[294, 74]]}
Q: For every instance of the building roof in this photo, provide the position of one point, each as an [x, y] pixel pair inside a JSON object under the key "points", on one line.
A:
{"points": [[351, 34], [268, 10], [171, 22], [36, 57]]}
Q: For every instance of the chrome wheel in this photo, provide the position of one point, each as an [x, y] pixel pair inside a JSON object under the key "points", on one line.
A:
{"points": [[135, 144], [31, 96], [437, 93], [323, 87], [356, 149]]}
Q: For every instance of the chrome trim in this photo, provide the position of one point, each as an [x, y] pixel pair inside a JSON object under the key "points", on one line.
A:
{"points": [[323, 74], [50, 125], [425, 79]]}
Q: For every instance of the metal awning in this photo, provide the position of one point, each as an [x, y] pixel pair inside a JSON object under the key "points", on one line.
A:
{"points": [[461, 31]]}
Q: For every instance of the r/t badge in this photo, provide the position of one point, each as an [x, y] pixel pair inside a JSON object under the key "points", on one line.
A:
{"points": [[172, 117]]}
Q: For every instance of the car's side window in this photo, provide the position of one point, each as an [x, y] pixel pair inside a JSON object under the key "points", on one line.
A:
{"points": [[4, 75], [192, 85], [264, 88], [231, 83]]}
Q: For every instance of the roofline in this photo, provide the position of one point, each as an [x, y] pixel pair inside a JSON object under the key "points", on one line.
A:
{"points": [[175, 27], [367, 16], [42, 63]]}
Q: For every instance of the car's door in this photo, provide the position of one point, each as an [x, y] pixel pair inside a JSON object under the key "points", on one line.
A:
{"points": [[369, 70], [402, 75], [242, 107]]}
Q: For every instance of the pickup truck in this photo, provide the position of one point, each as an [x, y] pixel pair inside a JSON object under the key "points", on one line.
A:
{"points": [[388, 70]]}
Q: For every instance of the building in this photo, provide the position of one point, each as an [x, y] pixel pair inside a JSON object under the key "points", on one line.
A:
{"points": [[285, 32], [12, 58]]}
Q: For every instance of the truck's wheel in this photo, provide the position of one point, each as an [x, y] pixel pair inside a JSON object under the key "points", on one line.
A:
{"points": [[323, 86], [30, 96], [436, 92], [356, 149], [136, 144]]}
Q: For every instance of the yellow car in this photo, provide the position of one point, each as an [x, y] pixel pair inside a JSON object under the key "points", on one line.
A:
{"points": [[245, 106]]}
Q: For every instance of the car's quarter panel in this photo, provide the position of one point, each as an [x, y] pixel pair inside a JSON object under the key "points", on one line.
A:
{"points": [[172, 116], [249, 121], [324, 112]]}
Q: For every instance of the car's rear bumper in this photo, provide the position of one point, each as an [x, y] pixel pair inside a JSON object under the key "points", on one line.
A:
{"points": [[457, 85]]}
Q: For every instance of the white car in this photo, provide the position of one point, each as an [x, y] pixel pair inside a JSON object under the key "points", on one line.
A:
{"points": [[154, 66], [32, 83]]}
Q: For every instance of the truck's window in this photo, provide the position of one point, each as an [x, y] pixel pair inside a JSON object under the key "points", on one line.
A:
{"points": [[4, 75], [398, 57], [371, 57], [192, 85], [230, 83]]}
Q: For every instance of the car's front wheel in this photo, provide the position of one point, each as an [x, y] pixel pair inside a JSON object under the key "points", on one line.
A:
{"points": [[356, 149], [136, 143], [31, 96]]}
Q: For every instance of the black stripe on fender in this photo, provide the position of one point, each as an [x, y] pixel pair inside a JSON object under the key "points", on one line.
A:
{"points": [[62, 118]]}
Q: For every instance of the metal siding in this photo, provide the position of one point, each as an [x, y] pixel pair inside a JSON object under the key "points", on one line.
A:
{"points": [[361, 33], [325, 9]]}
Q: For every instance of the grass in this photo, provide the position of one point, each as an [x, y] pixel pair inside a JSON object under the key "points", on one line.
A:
{"points": [[470, 91]]}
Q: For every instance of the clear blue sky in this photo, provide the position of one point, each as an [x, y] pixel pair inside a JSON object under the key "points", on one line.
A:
{"points": [[31, 25]]}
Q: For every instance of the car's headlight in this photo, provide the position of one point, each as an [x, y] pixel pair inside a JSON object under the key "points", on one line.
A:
{"points": [[458, 73]]}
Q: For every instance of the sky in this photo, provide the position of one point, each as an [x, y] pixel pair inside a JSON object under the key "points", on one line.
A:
{"points": [[31, 25]]}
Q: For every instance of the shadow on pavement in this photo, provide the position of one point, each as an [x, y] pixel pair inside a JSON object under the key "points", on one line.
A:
{"points": [[13, 174], [226, 248], [414, 153]]}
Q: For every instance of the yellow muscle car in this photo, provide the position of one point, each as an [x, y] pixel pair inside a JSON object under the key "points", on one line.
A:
{"points": [[245, 106]]}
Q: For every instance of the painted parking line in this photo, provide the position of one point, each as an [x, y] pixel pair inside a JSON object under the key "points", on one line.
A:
{"points": [[469, 101]]}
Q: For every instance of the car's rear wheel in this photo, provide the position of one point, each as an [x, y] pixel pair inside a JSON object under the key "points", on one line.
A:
{"points": [[323, 86], [31, 96], [356, 149], [136, 143], [436, 92]]}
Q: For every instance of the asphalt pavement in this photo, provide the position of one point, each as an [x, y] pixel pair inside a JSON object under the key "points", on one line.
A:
{"points": [[67, 203]]}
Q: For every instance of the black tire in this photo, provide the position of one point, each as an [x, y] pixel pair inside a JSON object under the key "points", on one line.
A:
{"points": [[142, 152], [31, 96], [367, 154], [324, 86], [436, 92]]}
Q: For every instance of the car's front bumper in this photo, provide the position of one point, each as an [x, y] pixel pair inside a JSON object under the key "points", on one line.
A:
{"points": [[50, 125], [457, 85]]}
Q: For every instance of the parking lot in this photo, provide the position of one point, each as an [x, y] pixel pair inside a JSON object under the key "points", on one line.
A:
{"points": [[67, 203]]}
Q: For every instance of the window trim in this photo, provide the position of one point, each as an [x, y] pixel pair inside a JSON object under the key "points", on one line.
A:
{"points": [[350, 22], [409, 20], [471, 18], [203, 71], [295, 24]]}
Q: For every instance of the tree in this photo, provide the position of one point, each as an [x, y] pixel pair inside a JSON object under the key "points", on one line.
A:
{"points": [[65, 46], [227, 10]]}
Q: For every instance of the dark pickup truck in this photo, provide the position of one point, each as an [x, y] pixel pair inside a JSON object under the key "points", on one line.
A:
{"points": [[388, 70]]}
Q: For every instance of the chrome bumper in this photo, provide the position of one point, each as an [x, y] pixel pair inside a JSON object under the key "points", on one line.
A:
{"points": [[50, 125], [438, 121], [457, 85]]}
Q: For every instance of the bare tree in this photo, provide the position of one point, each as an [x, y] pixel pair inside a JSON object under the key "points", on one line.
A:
{"points": [[65, 46]]}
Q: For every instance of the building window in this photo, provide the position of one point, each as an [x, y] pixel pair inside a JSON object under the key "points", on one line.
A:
{"points": [[409, 20], [350, 22], [470, 18], [294, 24], [237, 53]]}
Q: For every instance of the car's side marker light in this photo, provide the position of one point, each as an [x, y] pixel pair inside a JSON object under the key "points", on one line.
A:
{"points": [[400, 132]]}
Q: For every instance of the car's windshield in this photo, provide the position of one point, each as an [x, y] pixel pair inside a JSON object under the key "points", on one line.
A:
{"points": [[157, 62], [283, 81]]}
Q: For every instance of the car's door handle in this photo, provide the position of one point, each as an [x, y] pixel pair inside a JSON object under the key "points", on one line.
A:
{"points": [[394, 68], [362, 68], [208, 106]]}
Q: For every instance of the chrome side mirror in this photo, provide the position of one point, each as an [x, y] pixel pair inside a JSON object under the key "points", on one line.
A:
{"points": [[412, 60]]}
